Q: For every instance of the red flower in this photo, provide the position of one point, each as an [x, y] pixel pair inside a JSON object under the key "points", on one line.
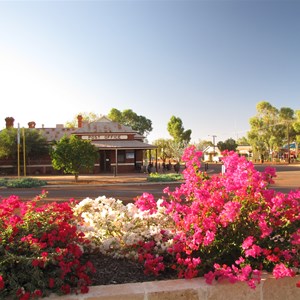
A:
{"points": [[44, 254], [51, 283], [84, 289], [38, 293], [1, 283], [298, 284], [35, 262], [26, 296], [66, 289]]}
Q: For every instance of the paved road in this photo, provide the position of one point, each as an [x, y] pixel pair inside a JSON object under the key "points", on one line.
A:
{"points": [[127, 187], [124, 192]]}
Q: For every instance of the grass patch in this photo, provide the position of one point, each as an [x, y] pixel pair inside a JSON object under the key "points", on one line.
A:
{"points": [[22, 182], [157, 177]]}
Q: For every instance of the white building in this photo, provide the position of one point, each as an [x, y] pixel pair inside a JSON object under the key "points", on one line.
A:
{"points": [[212, 153]]}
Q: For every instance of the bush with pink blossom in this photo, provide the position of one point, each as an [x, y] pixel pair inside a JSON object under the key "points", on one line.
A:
{"points": [[228, 226]]}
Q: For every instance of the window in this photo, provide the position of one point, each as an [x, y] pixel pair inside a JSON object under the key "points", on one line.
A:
{"points": [[129, 155], [121, 156]]}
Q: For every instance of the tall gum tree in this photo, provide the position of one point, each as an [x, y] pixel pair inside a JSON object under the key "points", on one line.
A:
{"points": [[181, 137], [177, 132], [129, 118], [296, 127], [270, 129]]}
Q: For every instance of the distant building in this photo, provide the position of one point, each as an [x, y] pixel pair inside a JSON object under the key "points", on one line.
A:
{"points": [[244, 150], [121, 149], [212, 154]]}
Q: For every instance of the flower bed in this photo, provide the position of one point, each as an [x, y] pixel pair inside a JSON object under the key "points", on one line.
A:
{"points": [[40, 250], [230, 226]]}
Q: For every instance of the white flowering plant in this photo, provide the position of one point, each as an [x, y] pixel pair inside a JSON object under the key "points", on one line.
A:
{"points": [[123, 230]]}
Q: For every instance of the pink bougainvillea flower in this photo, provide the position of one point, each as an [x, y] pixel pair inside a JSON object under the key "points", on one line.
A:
{"points": [[146, 202], [280, 271]]}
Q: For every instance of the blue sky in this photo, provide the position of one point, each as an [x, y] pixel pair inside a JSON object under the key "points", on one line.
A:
{"points": [[206, 62]]}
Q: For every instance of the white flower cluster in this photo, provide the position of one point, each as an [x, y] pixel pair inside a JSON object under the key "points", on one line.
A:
{"points": [[115, 228]]}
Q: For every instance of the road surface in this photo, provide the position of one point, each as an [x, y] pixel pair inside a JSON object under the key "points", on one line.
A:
{"points": [[126, 188]]}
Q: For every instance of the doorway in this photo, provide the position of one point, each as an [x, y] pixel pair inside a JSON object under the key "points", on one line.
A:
{"points": [[104, 161]]}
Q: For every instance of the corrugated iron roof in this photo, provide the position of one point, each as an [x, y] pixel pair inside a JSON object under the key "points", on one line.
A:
{"points": [[104, 127], [108, 145], [55, 134]]}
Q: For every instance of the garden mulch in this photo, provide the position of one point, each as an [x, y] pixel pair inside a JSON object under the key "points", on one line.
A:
{"points": [[110, 270]]}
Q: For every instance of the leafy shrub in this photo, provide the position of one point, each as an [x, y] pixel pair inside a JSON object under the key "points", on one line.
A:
{"points": [[22, 182], [41, 250], [3, 181], [156, 177]]}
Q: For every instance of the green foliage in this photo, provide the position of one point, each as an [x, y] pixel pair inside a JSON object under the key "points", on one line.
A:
{"points": [[203, 144], [271, 128], [36, 145], [243, 141], [8, 143], [86, 117], [229, 144], [169, 149], [296, 125], [176, 130], [72, 155], [22, 182], [156, 177], [129, 118], [163, 148], [177, 149]]}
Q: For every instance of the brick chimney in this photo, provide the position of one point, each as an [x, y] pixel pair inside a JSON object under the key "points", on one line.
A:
{"points": [[79, 118], [9, 122], [31, 124]]}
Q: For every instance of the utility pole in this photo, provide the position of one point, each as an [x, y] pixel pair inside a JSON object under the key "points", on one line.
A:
{"points": [[289, 142], [24, 151], [18, 149], [214, 143]]}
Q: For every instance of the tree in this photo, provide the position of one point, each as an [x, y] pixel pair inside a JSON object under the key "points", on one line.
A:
{"points": [[129, 118], [177, 149], [36, 145], [72, 155], [287, 118], [229, 144], [164, 150], [86, 117], [243, 141], [203, 144], [296, 124], [266, 134], [271, 128], [8, 143], [296, 127], [176, 130]]}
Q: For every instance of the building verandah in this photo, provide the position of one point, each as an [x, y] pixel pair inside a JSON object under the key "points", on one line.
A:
{"points": [[115, 157]]}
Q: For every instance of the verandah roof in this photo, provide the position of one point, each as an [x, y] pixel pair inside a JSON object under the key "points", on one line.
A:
{"points": [[122, 145]]}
